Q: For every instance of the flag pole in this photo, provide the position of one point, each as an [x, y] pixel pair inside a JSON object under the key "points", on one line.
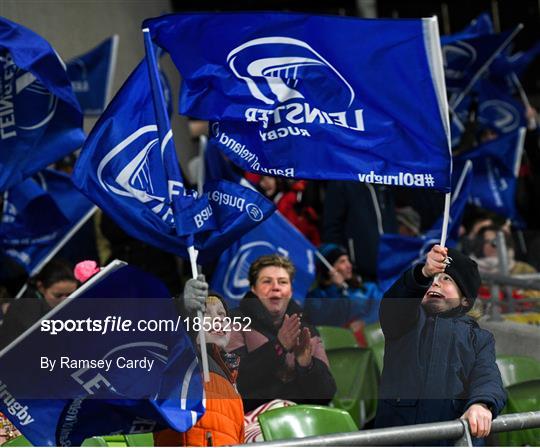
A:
{"points": [[446, 216], [202, 336], [457, 101], [162, 121], [201, 169], [436, 67]]}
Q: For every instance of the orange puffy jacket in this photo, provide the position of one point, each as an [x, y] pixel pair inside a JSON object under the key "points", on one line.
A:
{"points": [[223, 420]]}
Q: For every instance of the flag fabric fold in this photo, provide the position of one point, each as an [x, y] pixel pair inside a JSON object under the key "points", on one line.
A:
{"points": [[128, 168], [38, 214], [41, 118], [286, 98], [92, 75], [496, 168]]}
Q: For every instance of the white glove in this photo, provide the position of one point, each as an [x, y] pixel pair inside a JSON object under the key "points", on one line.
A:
{"points": [[195, 294]]}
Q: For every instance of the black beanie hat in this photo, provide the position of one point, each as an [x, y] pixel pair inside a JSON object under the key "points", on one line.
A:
{"points": [[332, 252], [464, 272]]}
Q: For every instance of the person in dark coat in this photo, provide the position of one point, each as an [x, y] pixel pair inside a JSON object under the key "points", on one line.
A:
{"points": [[281, 355], [438, 364], [355, 215]]}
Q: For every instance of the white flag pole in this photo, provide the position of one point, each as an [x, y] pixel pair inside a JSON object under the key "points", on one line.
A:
{"points": [[201, 169], [202, 336], [159, 105], [437, 72]]}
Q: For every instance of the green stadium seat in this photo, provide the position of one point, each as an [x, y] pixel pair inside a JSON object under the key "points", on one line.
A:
{"points": [[518, 369], [373, 334], [18, 441], [356, 375], [118, 440], [378, 354], [522, 397], [292, 422], [146, 439], [336, 337]]}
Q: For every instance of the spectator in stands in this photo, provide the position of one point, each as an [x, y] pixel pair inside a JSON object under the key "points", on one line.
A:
{"points": [[438, 363], [486, 256], [281, 354], [355, 215], [223, 420], [408, 221], [293, 204], [340, 297], [47, 289]]}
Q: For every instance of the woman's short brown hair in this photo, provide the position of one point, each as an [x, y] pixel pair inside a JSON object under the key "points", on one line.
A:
{"points": [[268, 261]]}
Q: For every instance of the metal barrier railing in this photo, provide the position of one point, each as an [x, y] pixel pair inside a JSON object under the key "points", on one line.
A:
{"points": [[529, 281], [457, 430], [503, 281]]}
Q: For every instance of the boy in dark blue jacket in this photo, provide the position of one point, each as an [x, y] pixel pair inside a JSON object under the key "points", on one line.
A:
{"points": [[438, 363]]}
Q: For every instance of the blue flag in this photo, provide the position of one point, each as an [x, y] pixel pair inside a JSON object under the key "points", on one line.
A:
{"points": [[92, 76], [122, 169], [496, 168], [288, 99], [398, 253], [466, 59], [41, 120], [479, 26], [217, 166], [118, 375], [497, 110], [275, 235], [29, 213], [39, 213], [517, 63]]}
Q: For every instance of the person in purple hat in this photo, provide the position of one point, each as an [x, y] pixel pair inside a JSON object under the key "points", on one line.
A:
{"points": [[439, 364]]}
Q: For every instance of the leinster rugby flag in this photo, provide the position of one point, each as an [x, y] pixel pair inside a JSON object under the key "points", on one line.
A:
{"points": [[40, 215], [92, 75], [497, 110], [316, 97], [131, 172], [496, 166], [40, 119], [113, 373], [29, 213], [274, 236]]}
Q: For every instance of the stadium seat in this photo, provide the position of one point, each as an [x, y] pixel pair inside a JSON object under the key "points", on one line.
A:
{"points": [[18, 441], [336, 337], [356, 375], [522, 397], [146, 439], [378, 354], [118, 440], [518, 369], [373, 334], [302, 421]]}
